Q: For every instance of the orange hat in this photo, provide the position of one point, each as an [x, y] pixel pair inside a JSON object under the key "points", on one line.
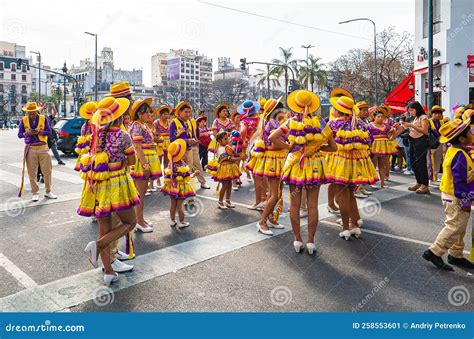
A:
{"points": [[110, 109], [344, 105], [303, 101], [137, 104], [120, 89], [88, 109]]}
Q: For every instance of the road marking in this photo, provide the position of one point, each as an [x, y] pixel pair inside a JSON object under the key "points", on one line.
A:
{"points": [[8, 206], [60, 175], [20, 276], [14, 179], [216, 199], [387, 235], [74, 290]]}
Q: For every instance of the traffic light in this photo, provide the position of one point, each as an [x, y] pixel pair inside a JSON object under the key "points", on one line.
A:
{"points": [[243, 64], [18, 62], [293, 86]]}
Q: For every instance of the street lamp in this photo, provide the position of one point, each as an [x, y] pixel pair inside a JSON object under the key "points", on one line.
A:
{"points": [[95, 76], [307, 56], [39, 73], [375, 50], [64, 69]]}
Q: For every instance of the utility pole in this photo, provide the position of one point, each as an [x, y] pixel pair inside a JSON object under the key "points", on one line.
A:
{"points": [[95, 63], [307, 59], [430, 55], [39, 73]]}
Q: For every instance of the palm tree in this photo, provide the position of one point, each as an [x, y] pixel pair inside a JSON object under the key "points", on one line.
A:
{"points": [[283, 64], [267, 77], [312, 72]]}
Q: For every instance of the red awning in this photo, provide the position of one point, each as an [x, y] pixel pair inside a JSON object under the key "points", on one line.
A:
{"points": [[401, 95], [470, 61]]}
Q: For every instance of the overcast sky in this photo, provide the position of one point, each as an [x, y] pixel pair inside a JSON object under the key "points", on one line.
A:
{"points": [[137, 29]]}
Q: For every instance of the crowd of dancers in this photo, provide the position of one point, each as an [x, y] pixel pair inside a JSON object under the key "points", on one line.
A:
{"points": [[128, 148]]}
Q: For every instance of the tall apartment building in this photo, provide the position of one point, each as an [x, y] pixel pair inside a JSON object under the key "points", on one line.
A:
{"points": [[15, 83], [186, 69]]}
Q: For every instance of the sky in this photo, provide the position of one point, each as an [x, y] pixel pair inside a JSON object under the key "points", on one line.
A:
{"points": [[137, 29]]}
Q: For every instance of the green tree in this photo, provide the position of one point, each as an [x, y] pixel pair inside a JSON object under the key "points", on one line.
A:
{"points": [[312, 72], [269, 77], [283, 63]]}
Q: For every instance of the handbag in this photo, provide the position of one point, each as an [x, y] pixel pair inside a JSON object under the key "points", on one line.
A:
{"points": [[433, 139]]}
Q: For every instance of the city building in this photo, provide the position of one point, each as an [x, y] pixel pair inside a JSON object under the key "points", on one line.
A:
{"points": [[226, 70], [453, 49], [187, 71], [15, 82]]}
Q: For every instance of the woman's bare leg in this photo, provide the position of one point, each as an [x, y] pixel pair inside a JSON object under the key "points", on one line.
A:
{"points": [[312, 193], [295, 203], [141, 188]]}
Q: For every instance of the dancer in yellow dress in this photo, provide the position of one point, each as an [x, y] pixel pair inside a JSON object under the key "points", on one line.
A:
{"points": [[350, 165], [177, 182], [305, 167], [162, 126], [83, 145], [108, 187], [147, 165]]}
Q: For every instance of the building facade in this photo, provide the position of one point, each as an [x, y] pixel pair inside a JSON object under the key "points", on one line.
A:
{"points": [[453, 48], [226, 70], [15, 82]]}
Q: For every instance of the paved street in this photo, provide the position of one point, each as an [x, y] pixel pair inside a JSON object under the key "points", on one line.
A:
{"points": [[221, 263]]}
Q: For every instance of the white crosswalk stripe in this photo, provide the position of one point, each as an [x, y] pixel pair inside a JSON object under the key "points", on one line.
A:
{"points": [[72, 178]]}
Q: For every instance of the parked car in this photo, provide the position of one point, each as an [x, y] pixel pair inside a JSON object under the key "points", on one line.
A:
{"points": [[68, 129]]}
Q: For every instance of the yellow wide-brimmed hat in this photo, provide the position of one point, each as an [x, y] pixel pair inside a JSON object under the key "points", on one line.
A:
{"points": [[181, 104], [386, 110], [339, 92], [233, 114], [452, 129], [362, 104], [270, 106], [120, 89], [137, 104], [31, 107], [109, 109], [220, 107], [467, 114], [177, 150], [88, 109], [160, 109], [344, 105], [262, 101], [303, 101], [437, 108]]}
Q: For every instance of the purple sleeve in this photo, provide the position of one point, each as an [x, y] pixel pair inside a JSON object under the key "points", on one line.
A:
{"points": [[21, 130], [172, 131], [47, 128], [459, 171]]}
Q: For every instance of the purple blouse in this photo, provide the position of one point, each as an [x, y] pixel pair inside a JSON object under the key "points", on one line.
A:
{"points": [[269, 128], [141, 134], [86, 128], [119, 144], [373, 130]]}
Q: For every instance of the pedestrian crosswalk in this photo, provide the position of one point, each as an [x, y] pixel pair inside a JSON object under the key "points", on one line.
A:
{"points": [[71, 177]]}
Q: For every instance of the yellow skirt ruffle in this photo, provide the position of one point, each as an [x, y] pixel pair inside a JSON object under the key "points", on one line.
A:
{"points": [[383, 147], [270, 165], [227, 171], [309, 170], [351, 168], [137, 172], [181, 190], [107, 196]]}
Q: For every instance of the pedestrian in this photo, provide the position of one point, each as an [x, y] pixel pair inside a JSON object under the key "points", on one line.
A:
{"points": [[305, 167], [227, 170], [109, 188], [162, 125], [382, 134], [204, 140], [436, 154], [419, 146], [147, 165], [350, 165], [177, 181], [182, 127], [222, 122], [457, 194], [35, 130], [267, 161]]}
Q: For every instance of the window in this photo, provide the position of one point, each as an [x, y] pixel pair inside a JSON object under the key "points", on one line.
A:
{"points": [[23, 68], [23, 77], [23, 89], [1, 65], [13, 67], [13, 76], [1, 88], [13, 88], [24, 100], [1, 75], [436, 17]]}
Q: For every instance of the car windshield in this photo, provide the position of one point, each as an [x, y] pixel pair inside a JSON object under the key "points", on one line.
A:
{"points": [[60, 124]]}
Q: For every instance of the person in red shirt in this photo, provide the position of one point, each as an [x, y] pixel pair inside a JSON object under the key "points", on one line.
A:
{"points": [[204, 139]]}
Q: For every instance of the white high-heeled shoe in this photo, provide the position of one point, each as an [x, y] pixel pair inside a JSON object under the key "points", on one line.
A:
{"points": [[298, 245], [311, 247], [261, 230], [110, 278], [333, 211], [360, 222], [345, 234], [275, 225], [356, 232], [91, 250]]}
